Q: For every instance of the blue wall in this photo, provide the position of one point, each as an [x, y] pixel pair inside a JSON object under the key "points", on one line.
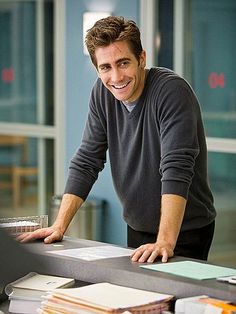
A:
{"points": [[80, 76]]}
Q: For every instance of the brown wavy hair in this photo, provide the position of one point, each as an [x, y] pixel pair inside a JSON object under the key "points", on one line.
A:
{"points": [[111, 29]]}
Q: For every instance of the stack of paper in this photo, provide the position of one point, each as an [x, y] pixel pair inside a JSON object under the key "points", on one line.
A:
{"points": [[105, 298], [25, 293]]}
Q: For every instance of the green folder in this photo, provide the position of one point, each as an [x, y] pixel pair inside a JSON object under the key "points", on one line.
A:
{"points": [[192, 270]]}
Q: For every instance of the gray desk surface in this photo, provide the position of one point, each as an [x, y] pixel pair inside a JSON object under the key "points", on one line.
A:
{"points": [[124, 272]]}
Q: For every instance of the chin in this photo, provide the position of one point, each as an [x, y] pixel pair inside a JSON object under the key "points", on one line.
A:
{"points": [[120, 98]]}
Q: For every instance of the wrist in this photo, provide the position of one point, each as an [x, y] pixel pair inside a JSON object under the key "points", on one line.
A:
{"points": [[166, 241], [59, 226]]}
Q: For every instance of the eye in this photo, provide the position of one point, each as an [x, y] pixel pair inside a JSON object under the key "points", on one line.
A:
{"points": [[104, 68], [124, 64]]}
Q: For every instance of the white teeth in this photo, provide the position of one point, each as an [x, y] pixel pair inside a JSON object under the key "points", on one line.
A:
{"points": [[120, 86]]}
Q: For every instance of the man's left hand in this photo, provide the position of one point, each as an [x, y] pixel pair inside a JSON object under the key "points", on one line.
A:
{"points": [[150, 251]]}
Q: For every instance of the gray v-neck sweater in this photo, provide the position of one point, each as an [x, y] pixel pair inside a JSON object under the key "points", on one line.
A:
{"points": [[158, 148]]}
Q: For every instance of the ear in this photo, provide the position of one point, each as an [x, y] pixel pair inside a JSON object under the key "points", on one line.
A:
{"points": [[142, 60]]}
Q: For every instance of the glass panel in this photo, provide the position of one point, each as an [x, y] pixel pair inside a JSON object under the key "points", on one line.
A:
{"points": [[164, 34], [19, 51], [222, 169], [19, 175], [210, 66], [213, 64]]}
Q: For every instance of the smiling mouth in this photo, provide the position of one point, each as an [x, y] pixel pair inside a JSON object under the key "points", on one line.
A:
{"points": [[120, 86]]}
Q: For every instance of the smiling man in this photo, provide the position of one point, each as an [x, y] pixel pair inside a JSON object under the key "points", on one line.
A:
{"points": [[150, 122], [120, 71]]}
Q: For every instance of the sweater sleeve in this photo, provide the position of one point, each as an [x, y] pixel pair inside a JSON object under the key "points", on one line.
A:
{"points": [[90, 157], [178, 115]]}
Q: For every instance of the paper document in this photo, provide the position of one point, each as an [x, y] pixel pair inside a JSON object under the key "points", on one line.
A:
{"points": [[192, 270], [113, 296], [34, 285], [229, 279], [106, 298], [94, 253]]}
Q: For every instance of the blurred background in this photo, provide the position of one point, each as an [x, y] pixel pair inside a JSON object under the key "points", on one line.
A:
{"points": [[45, 82]]}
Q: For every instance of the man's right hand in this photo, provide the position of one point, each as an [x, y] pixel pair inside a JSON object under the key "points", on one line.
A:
{"points": [[69, 205], [50, 234]]}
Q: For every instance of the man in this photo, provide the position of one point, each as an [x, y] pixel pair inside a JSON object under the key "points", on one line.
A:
{"points": [[150, 122]]}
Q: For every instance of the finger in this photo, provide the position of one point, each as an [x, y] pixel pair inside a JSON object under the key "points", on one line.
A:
{"points": [[136, 255], [48, 240], [145, 256], [137, 250], [140, 248], [37, 234], [21, 237], [55, 236], [26, 237], [153, 256], [165, 257]]}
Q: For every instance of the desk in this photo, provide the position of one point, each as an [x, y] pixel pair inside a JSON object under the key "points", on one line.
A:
{"points": [[124, 272], [4, 307]]}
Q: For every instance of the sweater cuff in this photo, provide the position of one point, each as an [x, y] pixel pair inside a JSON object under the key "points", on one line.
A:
{"points": [[73, 187], [175, 187]]}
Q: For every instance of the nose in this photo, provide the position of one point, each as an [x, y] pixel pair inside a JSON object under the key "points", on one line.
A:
{"points": [[116, 75]]}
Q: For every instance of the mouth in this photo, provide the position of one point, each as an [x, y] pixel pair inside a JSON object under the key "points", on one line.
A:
{"points": [[120, 86]]}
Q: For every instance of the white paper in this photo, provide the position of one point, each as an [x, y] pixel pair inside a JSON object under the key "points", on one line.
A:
{"points": [[94, 253], [211, 309], [112, 296]]}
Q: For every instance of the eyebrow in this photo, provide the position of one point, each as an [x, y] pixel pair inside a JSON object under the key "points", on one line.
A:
{"points": [[118, 61]]}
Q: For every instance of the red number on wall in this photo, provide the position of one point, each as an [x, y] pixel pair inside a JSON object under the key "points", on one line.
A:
{"points": [[216, 80], [8, 75]]}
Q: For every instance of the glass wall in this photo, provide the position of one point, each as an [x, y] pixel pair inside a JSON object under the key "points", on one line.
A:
{"points": [[19, 59], [210, 32], [213, 64], [26, 102], [196, 38], [20, 175]]}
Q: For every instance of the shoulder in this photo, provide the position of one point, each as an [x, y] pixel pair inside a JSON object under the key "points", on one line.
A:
{"points": [[169, 93], [162, 76], [162, 81]]}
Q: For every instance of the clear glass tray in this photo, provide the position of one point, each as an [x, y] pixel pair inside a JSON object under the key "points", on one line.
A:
{"points": [[18, 225]]}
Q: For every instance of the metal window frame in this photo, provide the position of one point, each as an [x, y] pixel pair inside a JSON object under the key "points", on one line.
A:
{"points": [[147, 22]]}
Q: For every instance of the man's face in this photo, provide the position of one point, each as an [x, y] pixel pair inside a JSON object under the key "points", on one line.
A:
{"points": [[120, 71]]}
